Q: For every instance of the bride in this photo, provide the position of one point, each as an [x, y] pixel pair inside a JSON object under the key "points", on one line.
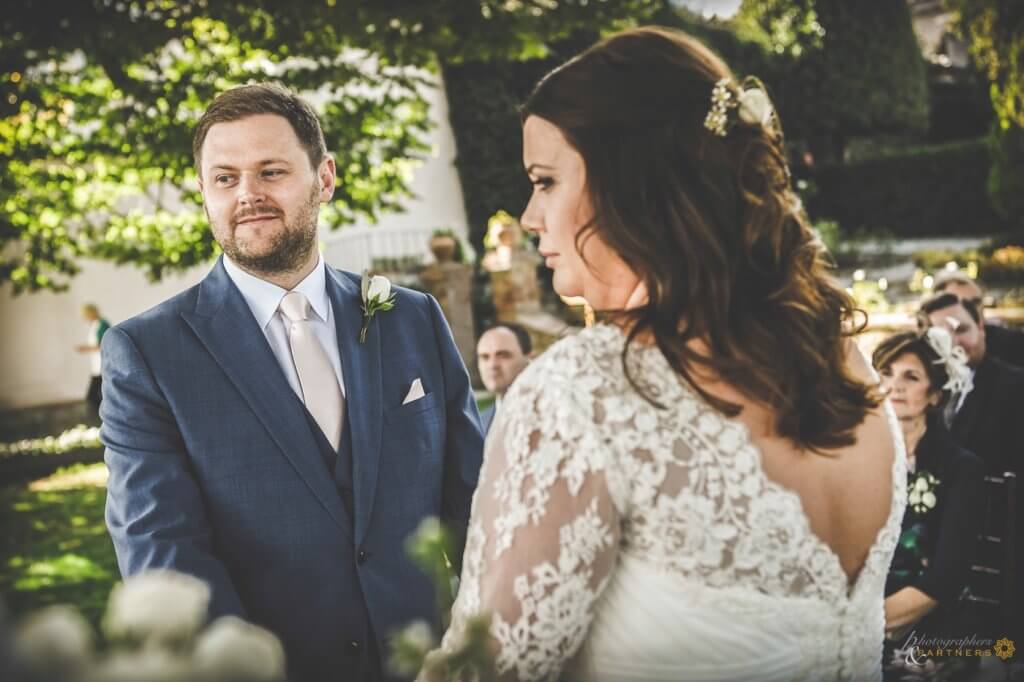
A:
{"points": [[706, 486]]}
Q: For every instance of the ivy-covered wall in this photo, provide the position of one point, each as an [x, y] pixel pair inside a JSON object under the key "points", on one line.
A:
{"points": [[934, 190], [929, 191], [483, 101]]}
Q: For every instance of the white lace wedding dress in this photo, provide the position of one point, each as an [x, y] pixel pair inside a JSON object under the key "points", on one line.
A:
{"points": [[612, 540]]}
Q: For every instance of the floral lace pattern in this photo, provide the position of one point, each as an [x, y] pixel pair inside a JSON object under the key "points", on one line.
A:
{"points": [[580, 468]]}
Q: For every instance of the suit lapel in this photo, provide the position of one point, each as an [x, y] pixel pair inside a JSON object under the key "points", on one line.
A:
{"points": [[225, 325], [361, 367]]}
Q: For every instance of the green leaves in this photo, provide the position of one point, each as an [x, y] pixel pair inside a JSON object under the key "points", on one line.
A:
{"points": [[98, 100], [97, 152]]}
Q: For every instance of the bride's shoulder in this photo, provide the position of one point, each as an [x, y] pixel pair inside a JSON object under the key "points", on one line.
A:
{"points": [[586, 353]]}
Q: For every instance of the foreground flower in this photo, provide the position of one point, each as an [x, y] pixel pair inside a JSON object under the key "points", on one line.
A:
{"points": [[157, 606], [149, 664], [55, 643], [410, 647], [232, 649]]}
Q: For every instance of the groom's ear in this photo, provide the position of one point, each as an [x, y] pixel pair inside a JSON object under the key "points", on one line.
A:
{"points": [[326, 174]]}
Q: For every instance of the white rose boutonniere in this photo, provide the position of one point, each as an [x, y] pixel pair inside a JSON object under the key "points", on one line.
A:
{"points": [[377, 296], [921, 492]]}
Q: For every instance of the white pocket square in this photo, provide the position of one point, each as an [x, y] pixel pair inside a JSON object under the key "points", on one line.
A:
{"points": [[415, 392]]}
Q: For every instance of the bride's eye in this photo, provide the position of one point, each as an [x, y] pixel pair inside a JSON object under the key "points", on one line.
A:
{"points": [[543, 184]]}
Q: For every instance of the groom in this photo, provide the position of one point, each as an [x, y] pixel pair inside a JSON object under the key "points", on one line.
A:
{"points": [[255, 442]]}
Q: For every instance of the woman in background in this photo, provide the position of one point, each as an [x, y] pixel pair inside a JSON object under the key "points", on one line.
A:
{"points": [[931, 565]]}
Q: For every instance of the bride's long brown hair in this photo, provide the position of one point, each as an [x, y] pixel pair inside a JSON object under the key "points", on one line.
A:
{"points": [[713, 227]]}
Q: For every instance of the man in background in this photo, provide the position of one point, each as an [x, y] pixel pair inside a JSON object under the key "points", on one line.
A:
{"points": [[1001, 342], [988, 420], [502, 352]]}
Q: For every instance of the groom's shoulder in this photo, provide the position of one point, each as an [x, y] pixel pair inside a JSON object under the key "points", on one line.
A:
{"points": [[162, 317]]}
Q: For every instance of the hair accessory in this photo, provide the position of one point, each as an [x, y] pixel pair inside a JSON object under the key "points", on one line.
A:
{"points": [[750, 101], [961, 378]]}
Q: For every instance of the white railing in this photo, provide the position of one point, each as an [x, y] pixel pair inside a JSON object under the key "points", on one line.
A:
{"points": [[358, 248]]}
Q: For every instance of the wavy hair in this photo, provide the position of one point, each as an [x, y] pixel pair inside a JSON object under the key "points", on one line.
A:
{"points": [[712, 226]]}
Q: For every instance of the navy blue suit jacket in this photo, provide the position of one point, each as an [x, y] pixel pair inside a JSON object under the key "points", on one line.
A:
{"points": [[215, 469]]}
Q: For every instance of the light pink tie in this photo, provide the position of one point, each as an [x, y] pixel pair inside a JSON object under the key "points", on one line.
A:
{"points": [[320, 390]]}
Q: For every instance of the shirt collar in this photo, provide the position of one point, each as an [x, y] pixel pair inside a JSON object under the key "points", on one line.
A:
{"points": [[264, 297]]}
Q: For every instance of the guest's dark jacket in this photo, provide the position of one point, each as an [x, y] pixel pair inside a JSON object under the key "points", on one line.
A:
{"points": [[946, 534], [1005, 344], [991, 421]]}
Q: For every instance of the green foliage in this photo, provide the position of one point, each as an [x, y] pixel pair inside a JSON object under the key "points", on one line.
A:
{"points": [[54, 547], [927, 191], [994, 30], [482, 100], [97, 102], [841, 69], [430, 548], [868, 76], [783, 27], [1006, 175]]}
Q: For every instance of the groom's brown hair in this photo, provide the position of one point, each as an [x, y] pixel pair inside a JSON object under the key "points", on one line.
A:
{"points": [[263, 98], [713, 227]]}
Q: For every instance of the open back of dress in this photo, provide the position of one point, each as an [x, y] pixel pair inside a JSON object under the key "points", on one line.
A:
{"points": [[618, 541]]}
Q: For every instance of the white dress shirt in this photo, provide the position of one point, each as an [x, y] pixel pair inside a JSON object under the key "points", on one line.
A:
{"points": [[264, 297]]}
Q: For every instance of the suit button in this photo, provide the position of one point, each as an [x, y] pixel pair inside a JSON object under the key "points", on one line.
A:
{"points": [[354, 648], [362, 556]]}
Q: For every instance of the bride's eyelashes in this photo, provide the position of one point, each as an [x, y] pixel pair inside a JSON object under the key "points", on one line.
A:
{"points": [[542, 183]]}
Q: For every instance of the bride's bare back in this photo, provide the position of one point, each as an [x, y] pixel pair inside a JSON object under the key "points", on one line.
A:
{"points": [[846, 492]]}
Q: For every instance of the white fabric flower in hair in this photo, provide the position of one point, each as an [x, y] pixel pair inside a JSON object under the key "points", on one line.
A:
{"points": [[755, 108], [953, 357]]}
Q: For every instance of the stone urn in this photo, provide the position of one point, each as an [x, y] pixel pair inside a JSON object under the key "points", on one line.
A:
{"points": [[444, 247]]}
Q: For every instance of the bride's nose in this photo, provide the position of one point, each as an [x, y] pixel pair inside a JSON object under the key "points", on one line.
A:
{"points": [[531, 219]]}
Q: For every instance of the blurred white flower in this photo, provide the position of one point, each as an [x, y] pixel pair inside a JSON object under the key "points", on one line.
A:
{"points": [[419, 635], [157, 606], [231, 649], [149, 664], [55, 642], [410, 647]]}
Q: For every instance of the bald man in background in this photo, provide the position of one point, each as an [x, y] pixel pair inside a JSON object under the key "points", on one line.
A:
{"points": [[502, 352]]}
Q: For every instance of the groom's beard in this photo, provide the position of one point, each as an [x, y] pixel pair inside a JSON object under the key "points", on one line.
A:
{"points": [[288, 250]]}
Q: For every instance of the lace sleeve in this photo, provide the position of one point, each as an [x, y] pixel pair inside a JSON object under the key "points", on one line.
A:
{"points": [[544, 532]]}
